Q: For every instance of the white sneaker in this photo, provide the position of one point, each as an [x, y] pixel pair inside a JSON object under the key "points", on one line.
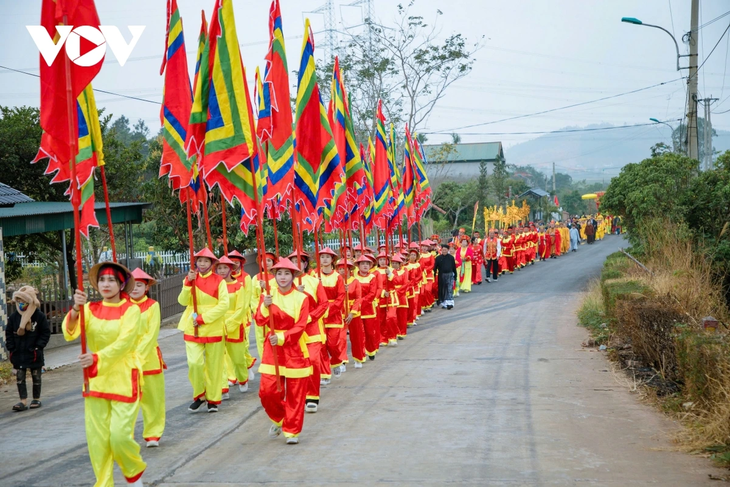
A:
{"points": [[243, 387], [324, 382], [393, 343], [138, 483], [230, 384], [383, 345], [152, 443], [250, 374], [292, 440], [358, 365], [311, 407], [343, 368], [337, 372], [224, 396], [274, 431]]}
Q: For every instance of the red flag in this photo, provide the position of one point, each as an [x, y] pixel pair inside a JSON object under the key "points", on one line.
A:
{"points": [[54, 97], [382, 205], [556, 201]]}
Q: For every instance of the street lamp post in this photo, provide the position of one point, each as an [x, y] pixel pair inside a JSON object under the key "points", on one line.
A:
{"points": [[674, 145], [635, 21]]}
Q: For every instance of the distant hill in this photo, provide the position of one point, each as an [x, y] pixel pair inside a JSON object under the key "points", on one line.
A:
{"points": [[595, 156]]}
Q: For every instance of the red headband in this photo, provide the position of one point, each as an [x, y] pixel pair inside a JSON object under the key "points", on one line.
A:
{"points": [[113, 271]]}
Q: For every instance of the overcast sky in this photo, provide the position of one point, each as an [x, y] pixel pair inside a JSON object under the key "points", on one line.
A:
{"points": [[537, 55]]}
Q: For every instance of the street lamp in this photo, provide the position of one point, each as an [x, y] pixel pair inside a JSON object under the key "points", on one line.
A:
{"points": [[674, 145], [635, 21]]}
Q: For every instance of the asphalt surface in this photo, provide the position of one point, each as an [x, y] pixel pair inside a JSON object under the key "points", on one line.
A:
{"points": [[497, 391]]}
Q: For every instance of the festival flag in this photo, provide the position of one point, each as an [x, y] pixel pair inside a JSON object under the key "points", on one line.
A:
{"points": [[366, 211], [423, 189], [201, 84], [382, 205], [262, 96], [278, 131], [176, 103], [318, 163], [395, 181], [54, 117], [408, 180], [336, 212], [228, 154]]}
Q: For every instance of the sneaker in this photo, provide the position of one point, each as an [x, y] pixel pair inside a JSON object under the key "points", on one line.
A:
{"points": [[225, 396], [311, 407], [292, 440], [195, 406], [393, 343], [343, 368], [274, 431], [250, 374], [136, 483], [337, 372], [212, 408], [324, 382], [153, 443], [358, 365], [384, 344], [243, 387], [230, 383]]}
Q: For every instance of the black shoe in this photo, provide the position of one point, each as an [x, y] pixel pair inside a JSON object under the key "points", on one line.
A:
{"points": [[450, 307], [401, 338], [427, 310], [371, 357], [212, 408], [195, 406]]}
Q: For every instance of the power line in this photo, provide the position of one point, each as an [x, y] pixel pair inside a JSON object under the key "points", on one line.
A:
{"points": [[95, 89], [709, 21], [556, 109], [566, 131], [713, 49]]}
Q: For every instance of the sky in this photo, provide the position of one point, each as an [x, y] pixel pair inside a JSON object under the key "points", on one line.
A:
{"points": [[535, 56]]}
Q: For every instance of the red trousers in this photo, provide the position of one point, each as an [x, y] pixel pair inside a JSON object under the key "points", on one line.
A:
{"points": [[357, 339], [419, 302], [336, 346], [325, 361], [372, 335], [511, 263], [389, 326], [315, 358], [402, 320], [412, 309], [285, 407], [383, 324]]}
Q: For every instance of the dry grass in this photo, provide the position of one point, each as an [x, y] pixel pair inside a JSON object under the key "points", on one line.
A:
{"points": [[6, 372]]}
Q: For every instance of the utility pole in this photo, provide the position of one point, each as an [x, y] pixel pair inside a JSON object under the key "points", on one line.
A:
{"points": [[330, 39], [706, 163], [693, 37], [553, 178]]}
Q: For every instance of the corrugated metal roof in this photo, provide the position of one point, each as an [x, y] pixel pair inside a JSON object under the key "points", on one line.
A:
{"points": [[475, 152], [534, 192], [10, 196], [42, 216]]}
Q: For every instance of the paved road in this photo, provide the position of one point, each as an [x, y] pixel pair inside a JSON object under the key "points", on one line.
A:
{"points": [[495, 392]]}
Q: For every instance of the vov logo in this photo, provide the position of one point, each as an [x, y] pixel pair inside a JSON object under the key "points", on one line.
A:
{"points": [[70, 36]]}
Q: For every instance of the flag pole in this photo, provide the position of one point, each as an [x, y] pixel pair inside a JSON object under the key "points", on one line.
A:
{"points": [[109, 215], [316, 251], [75, 200], [192, 255], [225, 227], [276, 235], [207, 221], [261, 244]]}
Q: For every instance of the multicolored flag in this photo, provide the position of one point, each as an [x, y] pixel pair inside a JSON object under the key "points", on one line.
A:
{"points": [[423, 192], [408, 180], [279, 131], [90, 155], [336, 213], [176, 103], [229, 151], [60, 132], [382, 204], [262, 97], [318, 163]]}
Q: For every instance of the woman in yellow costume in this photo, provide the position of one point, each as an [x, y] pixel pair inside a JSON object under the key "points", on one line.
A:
{"points": [[202, 324], [113, 366], [153, 388], [248, 288], [235, 370], [464, 257]]}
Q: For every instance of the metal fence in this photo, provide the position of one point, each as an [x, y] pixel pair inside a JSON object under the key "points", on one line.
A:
{"points": [[55, 304]]}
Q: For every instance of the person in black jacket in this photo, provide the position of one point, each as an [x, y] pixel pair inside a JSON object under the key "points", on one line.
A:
{"points": [[445, 273], [26, 336]]}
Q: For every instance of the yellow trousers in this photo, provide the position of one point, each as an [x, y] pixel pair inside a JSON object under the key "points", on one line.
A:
{"points": [[110, 438], [236, 368], [153, 406], [205, 369], [249, 358]]}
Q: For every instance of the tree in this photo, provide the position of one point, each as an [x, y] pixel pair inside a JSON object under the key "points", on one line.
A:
{"points": [[659, 149], [405, 64], [562, 181], [499, 181], [455, 198]]}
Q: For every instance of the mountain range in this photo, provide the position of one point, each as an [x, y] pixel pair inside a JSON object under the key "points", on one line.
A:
{"points": [[597, 152]]}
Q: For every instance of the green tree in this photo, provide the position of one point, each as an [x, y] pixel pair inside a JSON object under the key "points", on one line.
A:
{"points": [[457, 200], [498, 181]]}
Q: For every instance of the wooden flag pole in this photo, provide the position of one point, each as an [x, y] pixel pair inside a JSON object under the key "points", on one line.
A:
{"points": [[261, 244], [192, 256], [225, 227], [316, 252], [75, 200], [109, 215], [207, 222], [276, 237]]}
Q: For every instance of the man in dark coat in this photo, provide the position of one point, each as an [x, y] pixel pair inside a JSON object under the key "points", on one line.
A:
{"points": [[26, 336]]}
